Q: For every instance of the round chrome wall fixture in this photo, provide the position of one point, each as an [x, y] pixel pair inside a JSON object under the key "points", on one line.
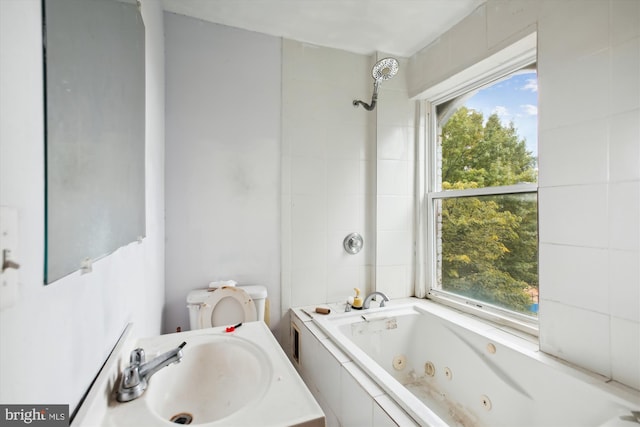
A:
{"points": [[353, 243]]}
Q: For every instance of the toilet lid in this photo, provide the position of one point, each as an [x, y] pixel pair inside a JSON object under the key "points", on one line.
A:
{"points": [[227, 305]]}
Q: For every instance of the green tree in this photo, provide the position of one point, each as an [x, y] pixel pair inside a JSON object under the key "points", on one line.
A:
{"points": [[488, 155], [489, 243]]}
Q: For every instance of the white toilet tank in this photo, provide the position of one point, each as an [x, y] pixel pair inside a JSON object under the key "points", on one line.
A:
{"points": [[229, 306]]}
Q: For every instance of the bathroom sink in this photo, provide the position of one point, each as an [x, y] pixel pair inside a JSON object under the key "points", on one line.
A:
{"points": [[236, 378], [218, 376]]}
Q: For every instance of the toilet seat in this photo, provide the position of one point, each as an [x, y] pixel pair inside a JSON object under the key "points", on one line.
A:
{"points": [[227, 305]]}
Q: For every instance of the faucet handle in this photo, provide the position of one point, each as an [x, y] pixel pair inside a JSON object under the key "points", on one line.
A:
{"points": [[132, 384], [130, 377], [137, 357]]}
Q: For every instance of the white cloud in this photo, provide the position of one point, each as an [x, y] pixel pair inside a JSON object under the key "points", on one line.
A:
{"points": [[530, 110], [501, 111], [532, 85]]}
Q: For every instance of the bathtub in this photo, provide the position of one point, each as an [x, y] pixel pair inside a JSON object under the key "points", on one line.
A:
{"points": [[445, 368]]}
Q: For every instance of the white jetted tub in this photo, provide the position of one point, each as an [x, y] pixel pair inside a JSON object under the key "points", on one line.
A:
{"points": [[447, 368]]}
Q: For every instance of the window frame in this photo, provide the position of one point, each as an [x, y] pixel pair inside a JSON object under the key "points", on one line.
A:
{"points": [[472, 79]]}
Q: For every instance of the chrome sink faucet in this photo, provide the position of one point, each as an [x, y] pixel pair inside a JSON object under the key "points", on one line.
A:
{"points": [[372, 296], [136, 376]]}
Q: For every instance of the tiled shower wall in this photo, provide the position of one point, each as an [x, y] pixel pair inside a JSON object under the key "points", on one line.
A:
{"points": [[329, 183], [589, 165], [328, 172], [395, 186]]}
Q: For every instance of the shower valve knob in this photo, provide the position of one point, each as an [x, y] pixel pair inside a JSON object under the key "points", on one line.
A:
{"points": [[353, 243]]}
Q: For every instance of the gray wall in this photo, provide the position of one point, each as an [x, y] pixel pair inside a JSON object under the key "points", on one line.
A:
{"points": [[223, 161]]}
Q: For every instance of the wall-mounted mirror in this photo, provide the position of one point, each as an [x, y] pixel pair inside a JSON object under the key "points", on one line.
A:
{"points": [[94, 52]]}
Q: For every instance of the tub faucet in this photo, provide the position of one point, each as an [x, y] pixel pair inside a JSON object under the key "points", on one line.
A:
{"points": [[136, 376], [372, 296]]}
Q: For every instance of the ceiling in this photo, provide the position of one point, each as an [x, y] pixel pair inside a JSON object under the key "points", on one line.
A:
{"points": [[398, 27]]}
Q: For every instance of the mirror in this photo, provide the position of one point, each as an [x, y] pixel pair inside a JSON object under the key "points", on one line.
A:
{"points": [[94, 55]]}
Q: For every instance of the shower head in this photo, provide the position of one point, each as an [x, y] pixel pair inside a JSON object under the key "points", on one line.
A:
{"points": [[384, 69]]}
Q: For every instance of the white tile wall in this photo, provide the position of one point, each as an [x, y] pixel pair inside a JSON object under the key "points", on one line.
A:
{"points": [[394, 107], [625, 351], [589, 94], [395, 187], [394, 213], [394, 178], [589, 166], [624, 292], [573, 215], [625, 69], [571, 29], [624, 150], [394, 248], [342, 277], [327, 155], [357, 405], [624, 20], [506, 18], [310, 285], [580, 81], [348, 140], [337, 160], [310, 138], [309, 249], [575, 154], [603, 57], [328, 376], [394, 142], [430, 65], [575, 274], [394, 280], [345, 212], [344, 177], [573, 333], [310, 175], [308, 213], [466, 48], [624, 216]]}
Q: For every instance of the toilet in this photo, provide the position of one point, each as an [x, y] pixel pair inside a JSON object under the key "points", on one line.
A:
{"points": [[226, 305]]}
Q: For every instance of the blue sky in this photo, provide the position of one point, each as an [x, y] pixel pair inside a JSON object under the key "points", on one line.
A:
{"points": [[514, 99]]}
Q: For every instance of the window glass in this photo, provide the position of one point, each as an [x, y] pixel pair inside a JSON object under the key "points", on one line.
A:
{"points": [[489, 249], [484, 195]]}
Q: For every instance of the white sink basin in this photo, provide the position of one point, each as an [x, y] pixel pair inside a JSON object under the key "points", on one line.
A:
{"points": [[242, 378], [218, 376]]}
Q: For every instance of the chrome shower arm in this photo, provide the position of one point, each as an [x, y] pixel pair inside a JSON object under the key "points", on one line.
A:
{"points": [[374, 98]]}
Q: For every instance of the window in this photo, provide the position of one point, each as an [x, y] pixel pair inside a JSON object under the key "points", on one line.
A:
{"points": [[482, 196]]}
